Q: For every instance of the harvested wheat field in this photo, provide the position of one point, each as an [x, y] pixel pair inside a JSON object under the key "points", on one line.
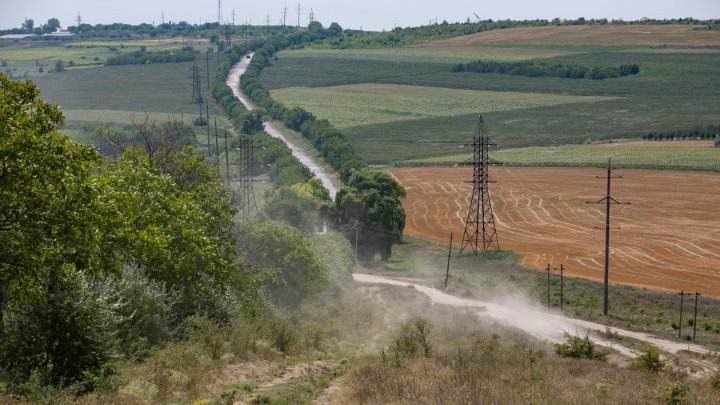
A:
{"points": [[668, 237]]}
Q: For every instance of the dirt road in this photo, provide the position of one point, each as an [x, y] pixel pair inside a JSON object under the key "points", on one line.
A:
{"points": [[531, 318], [233, 81]]}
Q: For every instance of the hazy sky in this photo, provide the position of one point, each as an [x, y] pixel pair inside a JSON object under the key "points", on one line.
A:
{"points": [[368, 14]]}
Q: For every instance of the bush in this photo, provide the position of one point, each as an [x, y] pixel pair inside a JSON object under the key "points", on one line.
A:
{"points": [[579, 348], [715, 380], [145, 311], [649, 360], [675, 394], [59, 66], [64, 334], [411, 341]]}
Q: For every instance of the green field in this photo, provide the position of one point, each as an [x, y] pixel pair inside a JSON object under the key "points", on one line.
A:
{"points": [[658, 155], [119, 95], [354, 105], [28, 57], [676, 89]]}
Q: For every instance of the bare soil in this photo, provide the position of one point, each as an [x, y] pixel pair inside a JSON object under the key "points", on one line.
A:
{"points": [[667, 238]]}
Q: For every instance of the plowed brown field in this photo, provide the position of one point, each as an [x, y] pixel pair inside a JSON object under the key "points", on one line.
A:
{"points": [[669, 238]]}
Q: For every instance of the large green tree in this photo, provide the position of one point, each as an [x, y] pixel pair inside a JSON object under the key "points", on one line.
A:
{"points": [[369, 210], [47, 214], [173, 223]]}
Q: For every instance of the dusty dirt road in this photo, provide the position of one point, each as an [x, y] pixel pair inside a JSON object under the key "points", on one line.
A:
{"points": [[233, 81], [537, 322]]}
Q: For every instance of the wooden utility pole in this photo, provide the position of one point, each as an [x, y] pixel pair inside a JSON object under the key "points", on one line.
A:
{"points": [[447, 270], [608, 200]]}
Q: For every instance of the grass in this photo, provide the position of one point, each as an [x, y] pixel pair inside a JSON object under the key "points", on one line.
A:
{"points": [[655, 155], [674, 90], [497, 276], [28, 57], [383, 103], [474, 367]]}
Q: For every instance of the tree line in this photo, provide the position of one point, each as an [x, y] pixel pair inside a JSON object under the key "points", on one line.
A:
{"points": [[143, 56], [700, 132], [532, 69], [377, 219]]}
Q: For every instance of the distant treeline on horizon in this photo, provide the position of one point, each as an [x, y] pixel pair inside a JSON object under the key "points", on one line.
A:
{"points": [[183, 28]]}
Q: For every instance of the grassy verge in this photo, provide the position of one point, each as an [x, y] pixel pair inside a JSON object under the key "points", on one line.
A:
{"points": [[497, 275]]}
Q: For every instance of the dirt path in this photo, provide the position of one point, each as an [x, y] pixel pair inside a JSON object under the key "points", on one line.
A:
{"points": [[534, 320], [233, 81]]}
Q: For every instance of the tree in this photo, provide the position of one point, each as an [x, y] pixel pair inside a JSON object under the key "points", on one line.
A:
{"points": [[369, 208], [28, 25], [282, 259], [47, 214], [59, 66], [302, 205], [53, 24], [173, 222]]}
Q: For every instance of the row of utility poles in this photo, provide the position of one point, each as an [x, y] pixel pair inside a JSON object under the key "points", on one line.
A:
{"points": [[683, 294]]}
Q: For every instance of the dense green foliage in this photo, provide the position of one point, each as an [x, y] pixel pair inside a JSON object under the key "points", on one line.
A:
{"points": [[63, 333], [531, 69], [302, 205], [141, 57], [47, 215], [704, 132], [369, 209], [283, 259], [68, 222]]}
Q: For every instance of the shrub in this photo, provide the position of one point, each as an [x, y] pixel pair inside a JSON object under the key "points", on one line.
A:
{"points": [[649, 360], [715, 380], [675, 394], [579, 348], [145, 311], [64, 334], [411, 341]]}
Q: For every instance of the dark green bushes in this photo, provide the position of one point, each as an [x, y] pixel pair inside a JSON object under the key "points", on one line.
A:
{"points": [[704, 132], [532, 69], [141, 57]]}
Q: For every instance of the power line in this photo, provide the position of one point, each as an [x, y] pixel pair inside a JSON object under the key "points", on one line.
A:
{"points": [[607, 200]]}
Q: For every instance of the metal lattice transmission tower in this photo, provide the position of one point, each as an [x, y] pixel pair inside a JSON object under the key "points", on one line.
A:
{"points": [[196, 90], [480, 232], [246, 163], [219, 16]]}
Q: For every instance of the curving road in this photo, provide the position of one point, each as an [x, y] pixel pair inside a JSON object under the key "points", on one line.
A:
{"points": [[233, 81], [536, 321]]}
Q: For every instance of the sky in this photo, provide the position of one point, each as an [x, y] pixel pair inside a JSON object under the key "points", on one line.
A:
{"points": [[356, 14]]}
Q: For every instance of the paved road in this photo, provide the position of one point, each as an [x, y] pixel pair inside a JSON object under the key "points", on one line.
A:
{"points": [[233, 81]]}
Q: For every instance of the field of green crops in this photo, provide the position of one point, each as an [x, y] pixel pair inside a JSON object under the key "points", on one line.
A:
{"points": [[367, 104], [677, 88], [662, 155], [119, 95], [28, 57]]}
